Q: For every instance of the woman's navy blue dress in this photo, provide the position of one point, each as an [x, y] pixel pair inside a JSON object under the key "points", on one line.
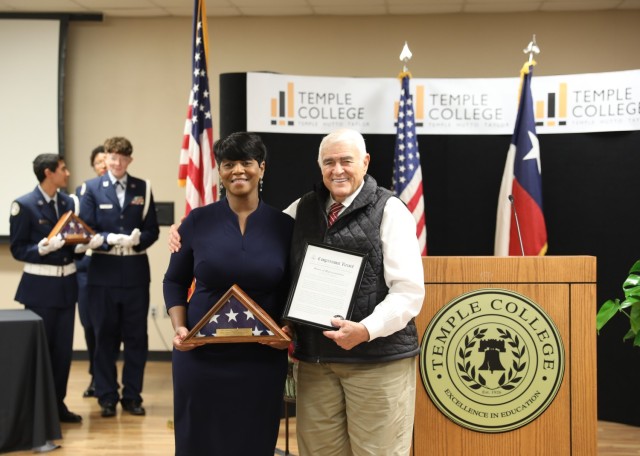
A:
{"points": [[228, 397]]}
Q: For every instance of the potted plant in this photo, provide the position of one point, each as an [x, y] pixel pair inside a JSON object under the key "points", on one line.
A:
{"points": [[630, 306]]}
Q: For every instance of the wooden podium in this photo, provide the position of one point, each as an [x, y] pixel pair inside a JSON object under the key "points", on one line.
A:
{"points": [[565, 288]]}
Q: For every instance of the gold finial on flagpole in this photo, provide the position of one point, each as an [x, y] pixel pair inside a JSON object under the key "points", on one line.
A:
{"points": [[405, 56], [531, 49]]}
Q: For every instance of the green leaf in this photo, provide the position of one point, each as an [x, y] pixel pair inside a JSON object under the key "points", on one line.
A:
{"points": [[634, 317], [635, 269], [631, 300], [632, 281], [606, 312], [631, 288]]}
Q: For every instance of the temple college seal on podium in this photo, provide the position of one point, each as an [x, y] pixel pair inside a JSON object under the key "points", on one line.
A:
{"points": [[492, 360]]}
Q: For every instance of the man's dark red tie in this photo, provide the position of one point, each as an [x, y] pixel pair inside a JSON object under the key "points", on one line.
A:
{"points": [[333, 213]]}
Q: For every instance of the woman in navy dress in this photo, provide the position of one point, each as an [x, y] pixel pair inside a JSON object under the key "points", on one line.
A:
{"points": [[228, 396]]}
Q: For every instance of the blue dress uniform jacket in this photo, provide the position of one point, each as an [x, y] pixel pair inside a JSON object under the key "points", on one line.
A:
{"points": [[31, 220], [99, 208]]}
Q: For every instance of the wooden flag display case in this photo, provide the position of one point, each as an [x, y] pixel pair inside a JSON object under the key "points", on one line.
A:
{"points": [[72, 229], [235, 318]]}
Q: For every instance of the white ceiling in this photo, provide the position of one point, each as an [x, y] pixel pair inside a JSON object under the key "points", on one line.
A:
{"points": [[155, 8]]}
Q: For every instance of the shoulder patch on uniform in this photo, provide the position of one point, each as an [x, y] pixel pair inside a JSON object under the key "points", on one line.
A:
{"points": [[83, 188], [15, 208]]}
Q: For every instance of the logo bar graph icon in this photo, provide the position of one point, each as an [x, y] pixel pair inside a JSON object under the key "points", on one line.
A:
{"points": [[282, 107], [554, 111]]}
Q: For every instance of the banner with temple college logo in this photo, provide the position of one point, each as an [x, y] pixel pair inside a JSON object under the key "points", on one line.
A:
{"points": [[579, 103]]}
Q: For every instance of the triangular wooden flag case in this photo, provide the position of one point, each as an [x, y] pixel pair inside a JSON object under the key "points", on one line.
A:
{"points": [[235, 318], [72, 229]]}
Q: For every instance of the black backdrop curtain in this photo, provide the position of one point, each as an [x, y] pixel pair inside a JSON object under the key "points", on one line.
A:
{"points": [[589, 183]]}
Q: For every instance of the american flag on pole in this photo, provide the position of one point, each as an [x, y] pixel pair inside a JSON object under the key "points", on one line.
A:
{"points": [[407, 173], [197, 170], [522, 182]]}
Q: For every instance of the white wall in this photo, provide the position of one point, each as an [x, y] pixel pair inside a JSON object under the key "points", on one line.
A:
{"points": [[131, 77]]}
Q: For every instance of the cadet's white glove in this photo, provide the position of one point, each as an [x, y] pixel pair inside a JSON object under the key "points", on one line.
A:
{"points": [[46, 246], [96, 241], [135, 237], [115, 239], [132, 239], [123, 240]]}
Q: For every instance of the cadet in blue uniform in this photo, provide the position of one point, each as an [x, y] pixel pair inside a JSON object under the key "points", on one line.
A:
{"points": [[120, 207], [48, 285], [99, 164]]}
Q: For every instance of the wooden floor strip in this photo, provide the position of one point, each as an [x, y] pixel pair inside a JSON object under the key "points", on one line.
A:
{"points": [[152, 435]]}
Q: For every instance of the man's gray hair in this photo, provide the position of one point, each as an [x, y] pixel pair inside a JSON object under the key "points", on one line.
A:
{"points": [[343, 135]]}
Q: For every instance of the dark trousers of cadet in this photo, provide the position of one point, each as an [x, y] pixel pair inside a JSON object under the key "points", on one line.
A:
{"points": [[84, 304], [83, 313], [119, 314], [58, 326]]}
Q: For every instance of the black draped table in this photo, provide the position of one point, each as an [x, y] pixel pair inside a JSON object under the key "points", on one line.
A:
{"points": [[28, 410]]}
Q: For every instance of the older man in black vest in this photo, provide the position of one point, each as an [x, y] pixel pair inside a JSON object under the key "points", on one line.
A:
{"points": [[356, 385]]}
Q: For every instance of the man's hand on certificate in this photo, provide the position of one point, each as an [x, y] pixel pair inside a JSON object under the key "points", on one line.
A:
{"points": [[349, 333]]}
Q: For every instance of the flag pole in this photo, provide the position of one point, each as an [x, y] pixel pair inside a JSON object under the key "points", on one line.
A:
{"points": [[405, 56], [532, 48], [407, 172]]}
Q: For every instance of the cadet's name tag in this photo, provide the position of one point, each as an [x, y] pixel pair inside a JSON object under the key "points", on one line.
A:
{"points": [[106, 206]]}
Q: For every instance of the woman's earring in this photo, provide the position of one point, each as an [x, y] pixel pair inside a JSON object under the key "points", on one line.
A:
{"points": [[261, 183], [220, 183]]}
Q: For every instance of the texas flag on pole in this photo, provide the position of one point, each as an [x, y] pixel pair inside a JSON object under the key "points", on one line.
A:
{"points": [[197, 171], [523, 183]]}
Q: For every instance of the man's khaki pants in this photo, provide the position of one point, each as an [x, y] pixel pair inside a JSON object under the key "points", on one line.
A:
{"points": [[355, 409]]}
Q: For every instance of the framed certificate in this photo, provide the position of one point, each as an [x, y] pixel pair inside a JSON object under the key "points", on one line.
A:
{"points": [[235, 318], [72, 229], [325, 286]]}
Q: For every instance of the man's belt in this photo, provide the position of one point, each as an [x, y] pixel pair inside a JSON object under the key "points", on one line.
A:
{"points": [[118, 250], [50, 269]]}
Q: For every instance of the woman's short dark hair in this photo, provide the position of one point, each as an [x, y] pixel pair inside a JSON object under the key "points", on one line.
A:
{"points": [[240, 146]]}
